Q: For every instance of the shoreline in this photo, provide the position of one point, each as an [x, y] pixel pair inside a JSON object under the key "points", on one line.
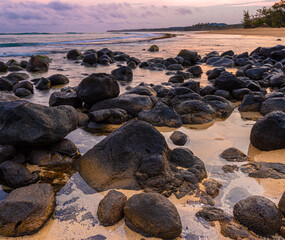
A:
{"points": [[265, 32]]}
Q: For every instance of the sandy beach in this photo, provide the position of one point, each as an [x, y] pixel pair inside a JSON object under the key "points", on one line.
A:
{"points": [[271, 32]]}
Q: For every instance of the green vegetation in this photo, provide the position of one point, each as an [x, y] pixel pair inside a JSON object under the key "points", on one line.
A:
{"points": [[266, 17]]}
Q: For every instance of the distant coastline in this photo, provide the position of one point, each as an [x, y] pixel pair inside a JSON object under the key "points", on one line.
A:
{"points": [[196, 27]]}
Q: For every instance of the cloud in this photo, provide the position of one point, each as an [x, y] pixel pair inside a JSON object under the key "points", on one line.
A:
{"points": [[184, 11]]}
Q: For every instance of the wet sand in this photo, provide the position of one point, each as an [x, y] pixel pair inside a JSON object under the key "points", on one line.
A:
{"points": [[270, 32]]}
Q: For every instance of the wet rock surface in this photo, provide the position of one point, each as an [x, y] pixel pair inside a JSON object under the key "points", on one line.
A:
{"points": [[153, 215], [234, 155], [25, 210], [258, 214], [178, 138], [111, 208]]}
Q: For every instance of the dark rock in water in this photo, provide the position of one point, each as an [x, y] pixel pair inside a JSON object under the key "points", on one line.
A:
{"points": [[15, 68], [90, 58], [234, 155], [97, 87], [278, 55], [16, 77], [281, 204], [176, 79], [268, 133], [228, 81], [215, 73], [142, 90], [123, 73], [196, 71], [104, 52], [183, 157], [5, 85], [254, 73], [65, 147], [212, 214], [37, 64], [268, 51], [264, 170], [179, 138], [133, 104], [161, 115], [3, 67], [208, 90], [25, 210], [228, 53], [251, 103], [48, 158], [223, 93], [195, 112], [65, 98], [125, 148], [24, 84], [16, 175], [22, 92], [258, 214], [212, 187], [272, 104], [190, 56], [221, 62], [153, 215], [175, 101], [111, 208], [175, 67], [132, 65], [23, 64], [7, 97], [43, 84], [25, 123], [74, 54], [153, 48], [230, 168], [112, 115], [58, 79], [229, 228], [222, 106], [239, 94]]}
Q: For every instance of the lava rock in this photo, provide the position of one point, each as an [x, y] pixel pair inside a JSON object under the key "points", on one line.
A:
{"points": [[123, 73], [234, 155], [228, 81], [22, 92], [272, 104], [25, 210], [3, 67], [74, 54], [251, 103], [153, 215], [25, 123], [190, 56], [5, 85], [268, 133], [97, 87], [196, 71], [58, 79], [47, 158], [37, 64], [179, 138], [112, 115], [65, 98], [212, 187], [43, 84], [281, 204], [258, 214], [111, 208]]}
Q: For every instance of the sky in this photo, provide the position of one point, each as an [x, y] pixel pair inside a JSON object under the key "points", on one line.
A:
{"points": [[99, 16]]}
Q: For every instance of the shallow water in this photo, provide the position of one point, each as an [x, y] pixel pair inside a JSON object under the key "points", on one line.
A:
{"points": [[75, 217]]}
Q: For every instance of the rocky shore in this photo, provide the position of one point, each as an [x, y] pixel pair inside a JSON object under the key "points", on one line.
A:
{"points": [[136, 156]]}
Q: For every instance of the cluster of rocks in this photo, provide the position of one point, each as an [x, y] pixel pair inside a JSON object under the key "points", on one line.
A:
{"points": [[149, 214], [31, 134], [252, 217], [103, 57]]}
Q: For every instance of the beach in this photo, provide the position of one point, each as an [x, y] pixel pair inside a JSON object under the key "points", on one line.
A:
{"points": [[217, 125], [266, 32]]}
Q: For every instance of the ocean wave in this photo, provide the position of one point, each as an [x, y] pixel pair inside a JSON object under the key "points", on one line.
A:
{"points": [[27, 44], [39, 33]]}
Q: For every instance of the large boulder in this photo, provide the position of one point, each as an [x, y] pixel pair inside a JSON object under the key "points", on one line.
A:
{"points": [[228, 81], [65, 98], [16, 175], [189, 56], [133, 104], [25, 210], [272, 104], [161, 115], [114, 161], [153, 215], [195, 112], [58, 79], [97, 87], [123, 73], [268, 133], [25, 123], [258, 214], [111, 208], [37, 64]]}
